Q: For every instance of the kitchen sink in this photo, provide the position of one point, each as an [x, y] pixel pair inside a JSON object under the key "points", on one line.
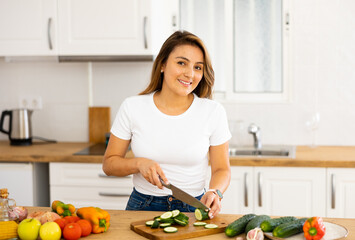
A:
{"points": [[266, 151]]}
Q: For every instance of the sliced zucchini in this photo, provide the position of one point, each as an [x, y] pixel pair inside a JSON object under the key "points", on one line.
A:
{"points": [[155, 224], [197, 224], [168, 220], [201, 214], [175, 213], [181, 222], [164, 225], [149, 223], [170, 229], [210, 226], [182, 217], [166, 215]]}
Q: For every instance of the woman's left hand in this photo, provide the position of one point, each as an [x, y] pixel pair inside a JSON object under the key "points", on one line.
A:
{"points": [[211, 200]]}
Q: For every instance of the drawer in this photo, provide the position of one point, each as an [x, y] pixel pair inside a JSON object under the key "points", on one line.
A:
{"points": [[84, 174], [102, 197]]}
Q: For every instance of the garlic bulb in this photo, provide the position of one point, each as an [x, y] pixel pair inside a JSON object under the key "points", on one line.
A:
{"points": [[255, 234]]}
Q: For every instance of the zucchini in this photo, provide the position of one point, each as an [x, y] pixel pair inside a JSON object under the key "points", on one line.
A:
{"points": [[201, 214], [149, 223], [238, 226], [181, 222], [170, 229], [167, 220], [182, 217], [164, 225], [175, 213], [255, 222], [166, 215], [211, 225], [271, 224], [288, 229], [155, 224], [197, 224]]}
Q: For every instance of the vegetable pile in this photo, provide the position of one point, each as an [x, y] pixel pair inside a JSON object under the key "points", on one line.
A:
{"points": [[254, 226]]}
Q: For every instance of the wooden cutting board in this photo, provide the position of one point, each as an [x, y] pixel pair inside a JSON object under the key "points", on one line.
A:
{"points": [[184, 232], [99, 123]]}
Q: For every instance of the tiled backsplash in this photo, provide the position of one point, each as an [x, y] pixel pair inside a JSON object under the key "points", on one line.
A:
{"points": [[323, 81]]}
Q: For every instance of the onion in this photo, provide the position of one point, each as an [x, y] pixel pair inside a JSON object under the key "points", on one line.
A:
{"points": [[18, 213]]}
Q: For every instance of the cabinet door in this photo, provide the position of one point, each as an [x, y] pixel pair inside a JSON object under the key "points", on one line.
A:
{"points": [[238, 199], [104, 27], [340, 192], [18, 179], [290, 191], [27, 27]]}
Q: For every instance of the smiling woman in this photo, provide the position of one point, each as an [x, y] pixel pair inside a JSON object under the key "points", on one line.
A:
{"points": [[173, 126]]}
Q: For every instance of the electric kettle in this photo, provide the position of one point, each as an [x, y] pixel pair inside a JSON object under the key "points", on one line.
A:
{"points": [[19, 129]]}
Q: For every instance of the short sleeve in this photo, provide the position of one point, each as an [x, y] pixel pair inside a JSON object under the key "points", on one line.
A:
{"points": [[221, 133], [121, 127]]}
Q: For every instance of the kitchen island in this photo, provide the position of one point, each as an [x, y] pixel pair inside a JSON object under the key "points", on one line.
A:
{"points": [[121, 220]]}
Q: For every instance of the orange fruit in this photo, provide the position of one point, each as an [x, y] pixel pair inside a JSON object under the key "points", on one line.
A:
{"points": [[86, 227], [72, 231]]}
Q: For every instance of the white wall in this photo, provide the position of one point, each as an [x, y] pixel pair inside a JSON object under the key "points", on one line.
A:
{"points": [[323, 78]]}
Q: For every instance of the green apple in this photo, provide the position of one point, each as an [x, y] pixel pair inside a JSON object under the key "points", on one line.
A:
{"points": [[50, 231], [28, 229]]}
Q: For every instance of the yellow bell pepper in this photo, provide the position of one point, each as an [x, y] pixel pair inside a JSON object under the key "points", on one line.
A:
{"points": [[99, 219]]}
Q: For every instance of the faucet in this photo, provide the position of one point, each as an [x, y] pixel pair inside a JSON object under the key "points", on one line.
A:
{"points": [[255, 131]]}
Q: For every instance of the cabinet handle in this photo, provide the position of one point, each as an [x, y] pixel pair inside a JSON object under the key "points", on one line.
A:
{"points": [[49, 33], [246, 190], [145, 32], [259, 190], [105, 176], [104, 194], [333, 190]]}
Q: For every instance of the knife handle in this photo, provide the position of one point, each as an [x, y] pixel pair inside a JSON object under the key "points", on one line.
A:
{"points": [[164, 184]]}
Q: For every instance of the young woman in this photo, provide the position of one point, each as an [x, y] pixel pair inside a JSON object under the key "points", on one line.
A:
{"points": [[174, 129]]}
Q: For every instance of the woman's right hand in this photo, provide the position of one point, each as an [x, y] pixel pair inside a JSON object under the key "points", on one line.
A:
{"points": [[151, 171]]}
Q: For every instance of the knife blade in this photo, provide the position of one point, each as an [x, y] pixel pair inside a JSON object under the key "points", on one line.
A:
{"points": [[184, 196]]}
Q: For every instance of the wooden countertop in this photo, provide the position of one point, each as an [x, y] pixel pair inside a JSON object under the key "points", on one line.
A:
{"points": [[121, 220], [322, 156]]}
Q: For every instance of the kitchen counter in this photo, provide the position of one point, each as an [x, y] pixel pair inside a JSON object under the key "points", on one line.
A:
{"points": [[322, 156], [120, 224]]}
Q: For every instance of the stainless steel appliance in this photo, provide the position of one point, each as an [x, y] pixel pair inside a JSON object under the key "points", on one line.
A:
{"points": [[19, 126]]}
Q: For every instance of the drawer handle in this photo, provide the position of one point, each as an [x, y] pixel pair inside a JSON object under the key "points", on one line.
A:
{"points": [[245, 189], [104, 194], [145, 19], [102, 175], [49, 25], [333, 191], [259, 190]]}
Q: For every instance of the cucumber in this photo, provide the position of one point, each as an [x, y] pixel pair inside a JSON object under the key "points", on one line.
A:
{"points": [[167, 220], [175, 213], [288, 229], [181, 222], [201, 214], [166, 215], [238, 226], [182, 217], [164, 225], [210, 226], [149, 223], [269, 225], [255, 222], [155, 224], [197, 224], [170, 229]]}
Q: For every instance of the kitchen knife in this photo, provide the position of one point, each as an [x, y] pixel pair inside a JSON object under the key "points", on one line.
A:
{"points": [[184, 196]]}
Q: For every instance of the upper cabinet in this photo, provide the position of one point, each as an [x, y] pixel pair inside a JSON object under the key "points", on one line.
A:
{"points": [[85, 27], [28, 27]]}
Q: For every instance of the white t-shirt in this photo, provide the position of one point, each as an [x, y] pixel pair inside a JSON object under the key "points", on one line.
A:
{"points": [[180, 144]]}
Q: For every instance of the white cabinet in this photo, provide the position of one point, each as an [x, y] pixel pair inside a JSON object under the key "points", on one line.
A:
{"points": [[276, 191], [85, 184], [104, 27], [27, 183], [86, 27], [341, 192], [28, 27], [291, 191]]}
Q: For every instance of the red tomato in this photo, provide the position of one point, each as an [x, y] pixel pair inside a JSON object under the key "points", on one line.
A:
{"points": [[61, 222], [72, 219], [86, 227], [72, 231]]}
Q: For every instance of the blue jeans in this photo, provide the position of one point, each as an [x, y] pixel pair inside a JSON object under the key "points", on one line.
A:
{"points": [[142, 202]]}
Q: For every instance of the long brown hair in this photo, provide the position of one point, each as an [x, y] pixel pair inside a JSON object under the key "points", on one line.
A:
{"points": [[204, 88]]}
